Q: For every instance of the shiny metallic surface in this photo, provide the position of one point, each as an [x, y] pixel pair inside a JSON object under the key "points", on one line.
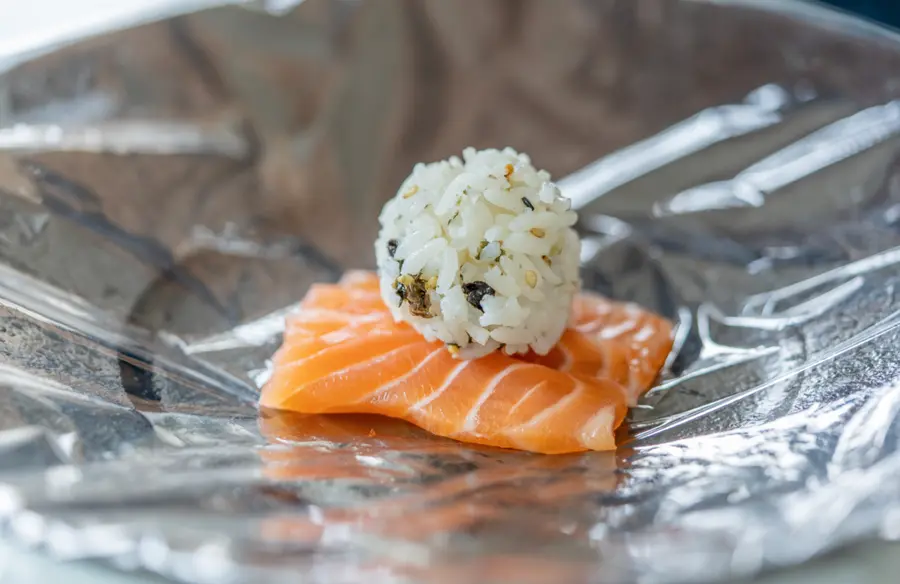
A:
{"points": [[168, 192]]}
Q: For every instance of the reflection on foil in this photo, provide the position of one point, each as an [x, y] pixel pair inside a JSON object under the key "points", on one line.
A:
{"points": [[27, 31], [829, 145], [145, 275], [761, 108], [127, 137], [605, 231]]}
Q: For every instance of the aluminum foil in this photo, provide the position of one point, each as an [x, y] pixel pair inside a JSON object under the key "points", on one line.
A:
{"points": [[168, 192]]}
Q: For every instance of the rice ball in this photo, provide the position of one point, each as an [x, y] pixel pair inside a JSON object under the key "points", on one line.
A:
{"points": [[480, 254]]}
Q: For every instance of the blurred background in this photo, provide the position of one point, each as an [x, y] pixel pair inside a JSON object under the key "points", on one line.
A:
{"points": [[885, 11]]}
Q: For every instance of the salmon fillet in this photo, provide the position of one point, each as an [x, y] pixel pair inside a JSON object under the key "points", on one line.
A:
{"points": [[343, 353]]}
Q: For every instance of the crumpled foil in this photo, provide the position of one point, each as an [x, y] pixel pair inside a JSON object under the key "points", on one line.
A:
{"points": [[169, 191]]}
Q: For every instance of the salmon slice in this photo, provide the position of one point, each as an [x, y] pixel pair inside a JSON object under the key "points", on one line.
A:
{"points": [[619, 341], [343, 353]]}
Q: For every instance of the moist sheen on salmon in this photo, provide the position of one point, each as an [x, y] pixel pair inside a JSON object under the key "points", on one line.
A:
{"points": [[344, 353]]}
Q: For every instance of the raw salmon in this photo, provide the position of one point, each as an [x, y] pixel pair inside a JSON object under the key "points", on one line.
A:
{"points": [[343, 353]]}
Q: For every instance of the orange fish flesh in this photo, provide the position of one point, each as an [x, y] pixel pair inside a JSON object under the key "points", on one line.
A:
{"points": [[344, 353]]}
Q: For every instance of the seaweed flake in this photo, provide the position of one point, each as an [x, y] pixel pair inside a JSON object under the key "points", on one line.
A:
{"points": [[476, 291], [414, 290], [392, 246], [527, 203], [400, 290]]}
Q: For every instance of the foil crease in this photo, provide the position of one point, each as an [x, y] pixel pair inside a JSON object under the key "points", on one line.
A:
{"points": [[168, 192]]}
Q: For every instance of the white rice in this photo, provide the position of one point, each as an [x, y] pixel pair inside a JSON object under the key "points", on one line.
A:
{"points": [[459, 234]]}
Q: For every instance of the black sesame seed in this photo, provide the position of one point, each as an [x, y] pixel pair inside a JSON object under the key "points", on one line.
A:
{"points": [[475, 292], [392, 247], [527, 203]]}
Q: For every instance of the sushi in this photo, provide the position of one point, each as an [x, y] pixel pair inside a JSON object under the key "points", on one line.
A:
{"points": [[469, 330], [479, 253]]}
